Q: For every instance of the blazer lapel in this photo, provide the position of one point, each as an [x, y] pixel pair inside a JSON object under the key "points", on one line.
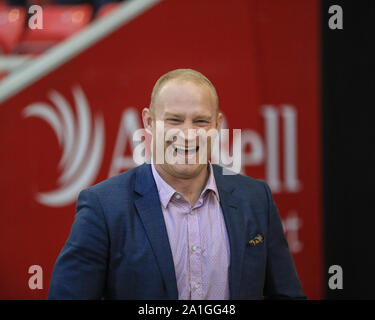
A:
{"points": [[235, 224], [149, 210]]}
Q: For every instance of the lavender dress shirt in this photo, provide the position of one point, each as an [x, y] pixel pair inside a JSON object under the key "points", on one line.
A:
{"points": [[198, 239]]}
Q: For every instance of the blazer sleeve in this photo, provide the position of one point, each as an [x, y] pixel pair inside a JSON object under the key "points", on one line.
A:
{"points": [[80, 269], [281, 275]]}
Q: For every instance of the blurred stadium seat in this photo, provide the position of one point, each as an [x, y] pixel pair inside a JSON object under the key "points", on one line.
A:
{"points": [[106, 9], [59, 22], [12, 22], [19, 44]]}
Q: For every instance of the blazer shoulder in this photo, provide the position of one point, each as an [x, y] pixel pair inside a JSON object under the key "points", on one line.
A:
{"points": [[122, 181]]}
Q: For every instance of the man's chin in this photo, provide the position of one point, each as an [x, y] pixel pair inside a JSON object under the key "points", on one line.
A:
{"points": [[185, 170]]}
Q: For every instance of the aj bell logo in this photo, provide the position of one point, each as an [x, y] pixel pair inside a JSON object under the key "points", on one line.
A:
{"points": [[82, 142], [82, 139]]}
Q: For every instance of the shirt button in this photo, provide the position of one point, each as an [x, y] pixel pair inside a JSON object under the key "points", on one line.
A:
{"points": [[196, 285], [178, 196], [194, 248]]}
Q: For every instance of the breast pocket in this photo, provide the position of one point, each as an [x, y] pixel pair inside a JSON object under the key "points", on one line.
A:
{"points": [[255, 255]]}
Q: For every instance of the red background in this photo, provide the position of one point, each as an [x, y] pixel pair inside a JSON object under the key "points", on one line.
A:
{"points": [[255, 52]]}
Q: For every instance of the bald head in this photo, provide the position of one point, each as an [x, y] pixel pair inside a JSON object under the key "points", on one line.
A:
{"points": [[182, 75]]}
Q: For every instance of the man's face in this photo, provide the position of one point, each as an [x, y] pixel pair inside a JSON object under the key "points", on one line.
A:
{"points": [[184, 105]]}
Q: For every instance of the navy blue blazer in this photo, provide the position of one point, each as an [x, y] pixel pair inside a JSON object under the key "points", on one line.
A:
{"points": [[118, 247]]}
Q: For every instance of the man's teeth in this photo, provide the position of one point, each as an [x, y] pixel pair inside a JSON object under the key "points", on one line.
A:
{"points": [[185, 149]]}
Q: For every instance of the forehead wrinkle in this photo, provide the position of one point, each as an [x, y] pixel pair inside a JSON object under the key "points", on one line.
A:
{"points": [[183, 97], [179, 95], [195, 115]]}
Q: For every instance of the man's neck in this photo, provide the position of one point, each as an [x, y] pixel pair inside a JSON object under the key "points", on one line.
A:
{"points": [[190, 188]]}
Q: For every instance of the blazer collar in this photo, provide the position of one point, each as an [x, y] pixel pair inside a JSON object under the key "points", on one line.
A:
{"points": [[149, 210], [235, 223]]}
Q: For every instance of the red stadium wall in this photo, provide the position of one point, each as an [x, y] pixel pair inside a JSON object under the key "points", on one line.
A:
{"points": [[263, 58]]}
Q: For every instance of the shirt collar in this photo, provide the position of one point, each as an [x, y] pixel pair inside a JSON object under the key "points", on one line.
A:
{"points": [[166, 192]]}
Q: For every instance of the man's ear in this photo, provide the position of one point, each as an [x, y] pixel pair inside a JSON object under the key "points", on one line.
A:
{"points": [[147, 120]]}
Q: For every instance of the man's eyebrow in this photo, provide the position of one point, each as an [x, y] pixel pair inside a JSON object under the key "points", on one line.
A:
{"points": [[174, 115], [203, 116], [195, 116]]}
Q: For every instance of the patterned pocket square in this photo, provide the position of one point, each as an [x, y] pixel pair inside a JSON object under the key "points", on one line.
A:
{"points": [[258, 239]]}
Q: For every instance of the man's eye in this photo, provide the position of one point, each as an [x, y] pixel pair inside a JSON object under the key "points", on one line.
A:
{"points": [[173, 119], [202, 121]]}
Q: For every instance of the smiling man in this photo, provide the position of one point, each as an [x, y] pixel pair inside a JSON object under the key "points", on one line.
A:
{"points": [[177, 228], [184, 102]]}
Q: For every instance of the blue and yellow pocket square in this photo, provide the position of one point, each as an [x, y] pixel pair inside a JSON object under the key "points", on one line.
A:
{"points": [[258, 239]]}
